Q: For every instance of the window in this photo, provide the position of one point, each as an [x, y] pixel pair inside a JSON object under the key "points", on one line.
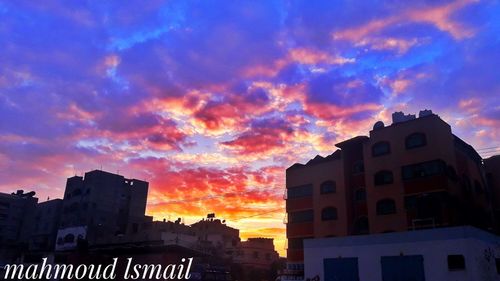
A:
{"points": [[415, 140], [386, 207], [300, 191], [422, 170], [381, 148], [477, 187], [255, 255], [361, 226], [329, 213], [383, 177], [301, 216], [69, 238], [360, 194], [456, 262], [328, 187], [466, 184], [497, 264], [358, 167]]}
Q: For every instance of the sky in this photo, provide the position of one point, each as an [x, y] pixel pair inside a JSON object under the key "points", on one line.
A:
{"points": [[211, 101]]}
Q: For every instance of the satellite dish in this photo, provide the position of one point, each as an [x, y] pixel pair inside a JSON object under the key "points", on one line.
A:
{"points": [[378, 125]]}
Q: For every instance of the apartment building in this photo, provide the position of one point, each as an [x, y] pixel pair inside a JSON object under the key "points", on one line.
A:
{"points": [[100, 203], [412, 174]]}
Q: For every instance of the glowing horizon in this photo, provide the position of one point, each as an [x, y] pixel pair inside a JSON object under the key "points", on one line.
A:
{"points": [[203, 99]]}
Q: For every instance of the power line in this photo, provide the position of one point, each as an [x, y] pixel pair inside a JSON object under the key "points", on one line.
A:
{"points": [[208, 197], [259, 214]]}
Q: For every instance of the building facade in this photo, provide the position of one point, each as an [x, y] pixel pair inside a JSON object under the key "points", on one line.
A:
{"points": [[45, 225], [17, 215], [257, 253], [452, 253], [412, 174], [100, 203]]}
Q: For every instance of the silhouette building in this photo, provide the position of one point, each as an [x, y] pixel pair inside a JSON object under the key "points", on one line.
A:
{"points": [[46, 222], [100, 203], [412, 174], [16, 217]]}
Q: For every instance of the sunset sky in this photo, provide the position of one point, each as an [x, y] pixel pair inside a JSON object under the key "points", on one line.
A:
{"points": [[211, 101]]}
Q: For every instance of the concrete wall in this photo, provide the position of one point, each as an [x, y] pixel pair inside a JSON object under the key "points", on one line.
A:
{"points": [[434, 246]]}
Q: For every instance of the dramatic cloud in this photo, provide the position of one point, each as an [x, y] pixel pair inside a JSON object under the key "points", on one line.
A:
{"points": [[210, 102]]}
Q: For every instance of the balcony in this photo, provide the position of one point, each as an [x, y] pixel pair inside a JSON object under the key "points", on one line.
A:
{"points": [[302, 229], [299, 203]]}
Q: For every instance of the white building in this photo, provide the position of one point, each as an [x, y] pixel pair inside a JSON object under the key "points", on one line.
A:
{"points": [[441, 254]]}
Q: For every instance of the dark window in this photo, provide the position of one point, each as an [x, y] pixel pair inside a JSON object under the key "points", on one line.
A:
{"points": [[328, 187], [360, 194], [381, 148], [466, 184], [358, 167], [300, 191], [497, 264], [456, 262], [415, 140], [77, 192], [422, 170], [477, 187], [383, 177], [69, 238], [361, 226], [386, 207], [301, 216], [329, 213]]}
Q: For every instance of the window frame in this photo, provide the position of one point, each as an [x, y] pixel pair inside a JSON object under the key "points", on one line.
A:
{"points": [[324, 184], [412, 135], [379, 208], [378, 174], [329, 218], [379, 143]]}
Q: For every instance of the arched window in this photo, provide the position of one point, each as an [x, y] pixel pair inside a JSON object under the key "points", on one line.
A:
{"points": [[381, 148], [361, 226], [415, 140], [328, 187], [329, 213], [383, 177], [386, 207], [360, 194]]}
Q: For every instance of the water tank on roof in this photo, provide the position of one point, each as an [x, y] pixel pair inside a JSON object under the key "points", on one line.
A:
{"points": [[378, 125], [424, 112]]}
